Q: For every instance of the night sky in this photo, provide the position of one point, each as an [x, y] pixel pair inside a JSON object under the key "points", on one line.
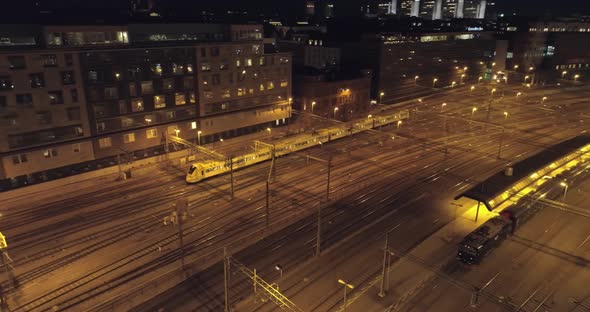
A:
{"points": [[23, 8]]}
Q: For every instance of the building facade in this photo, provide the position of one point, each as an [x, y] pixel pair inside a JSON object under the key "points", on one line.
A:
{"points": [[87, 94]]}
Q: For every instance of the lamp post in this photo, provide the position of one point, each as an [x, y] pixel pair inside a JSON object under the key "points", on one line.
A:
{"points": [[493, 91], [462, 76], [434, 82], [544, 99], [312, 106], [399, 123], [442, 107], [531, 68], [279, 268], [505, 115], [479, 79], [471, 89], [199, 137], [515, 67], [381, 97], [564, 185], [576, 76], [453, 84], [416, 80], [518, 94], [177, 132], [563, 74], [465, 68], [269, 132], [346, 286], [335, 110]]}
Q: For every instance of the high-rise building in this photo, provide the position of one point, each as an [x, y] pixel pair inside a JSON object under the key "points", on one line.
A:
{"points": [[449, 8], [406, 7]]}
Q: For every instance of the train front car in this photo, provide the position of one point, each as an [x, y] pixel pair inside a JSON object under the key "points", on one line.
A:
{"points": [[194, 174]]}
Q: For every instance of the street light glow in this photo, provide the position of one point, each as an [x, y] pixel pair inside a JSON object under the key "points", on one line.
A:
{"points": [[345, 284]]}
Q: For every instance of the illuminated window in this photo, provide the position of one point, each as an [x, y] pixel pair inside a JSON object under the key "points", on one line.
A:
{"points": [[49, 60], [284, 83], [241, 91], [262, 61], [270, 85], [238, 63], [129, 137], [157, 69], [126, 122], [49, 153], [223, 65], [208, 94], [171, 115], [179, 98], [176, 69], [189, 68], [192, 98], [159, 101], [137, 105], [248, 62], [205, 66], [55, 97], [151, 133], [261, 87], [225, 94], [194, 125]]}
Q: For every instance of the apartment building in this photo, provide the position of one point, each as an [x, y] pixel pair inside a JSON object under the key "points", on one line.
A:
{"points": [[82, 94]]}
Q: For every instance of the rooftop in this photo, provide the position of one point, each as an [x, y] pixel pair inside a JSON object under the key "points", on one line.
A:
{"points": [[499, 182]]}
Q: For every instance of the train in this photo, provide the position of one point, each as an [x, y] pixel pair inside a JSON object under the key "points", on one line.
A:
{"points": [[206, 169], [483, 240]]}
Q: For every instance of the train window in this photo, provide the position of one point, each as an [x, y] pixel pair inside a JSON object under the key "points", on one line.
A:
{"points": [[192, 169]]}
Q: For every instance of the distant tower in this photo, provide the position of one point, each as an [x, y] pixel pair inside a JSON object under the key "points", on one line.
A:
{"points": [[459, 11], [437, 10], [481, 10], [392, 7], [415, 8], [310, 8]]}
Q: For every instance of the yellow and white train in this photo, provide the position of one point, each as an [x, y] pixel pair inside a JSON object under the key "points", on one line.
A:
{"points": [[205, 169]]}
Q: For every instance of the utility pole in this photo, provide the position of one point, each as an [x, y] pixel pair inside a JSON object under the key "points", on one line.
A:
{"points": [[267, 205], [231, 168], [328, 183], [226, 276], [318, 239], [181, 207], [500, 144], [386, 259], [7, 265]]}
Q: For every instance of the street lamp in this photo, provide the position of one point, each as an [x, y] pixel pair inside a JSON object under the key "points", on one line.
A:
{"points": [[453, 84], [543, 99], [312, 106], [505, 115], [564, 185], [576, 76], [177, 132], [473, 110], [434, 82], [346, 286], [381, 97], [465, 68], [399, 123], [516, 67], [279, 268], [531, 68], [416, 80], [471, 89], [462, 76], [335, 110], [199, 137], [518, 94], [563, 74], [269, 132], [479, 79], [493, 64], [493, 91]]}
